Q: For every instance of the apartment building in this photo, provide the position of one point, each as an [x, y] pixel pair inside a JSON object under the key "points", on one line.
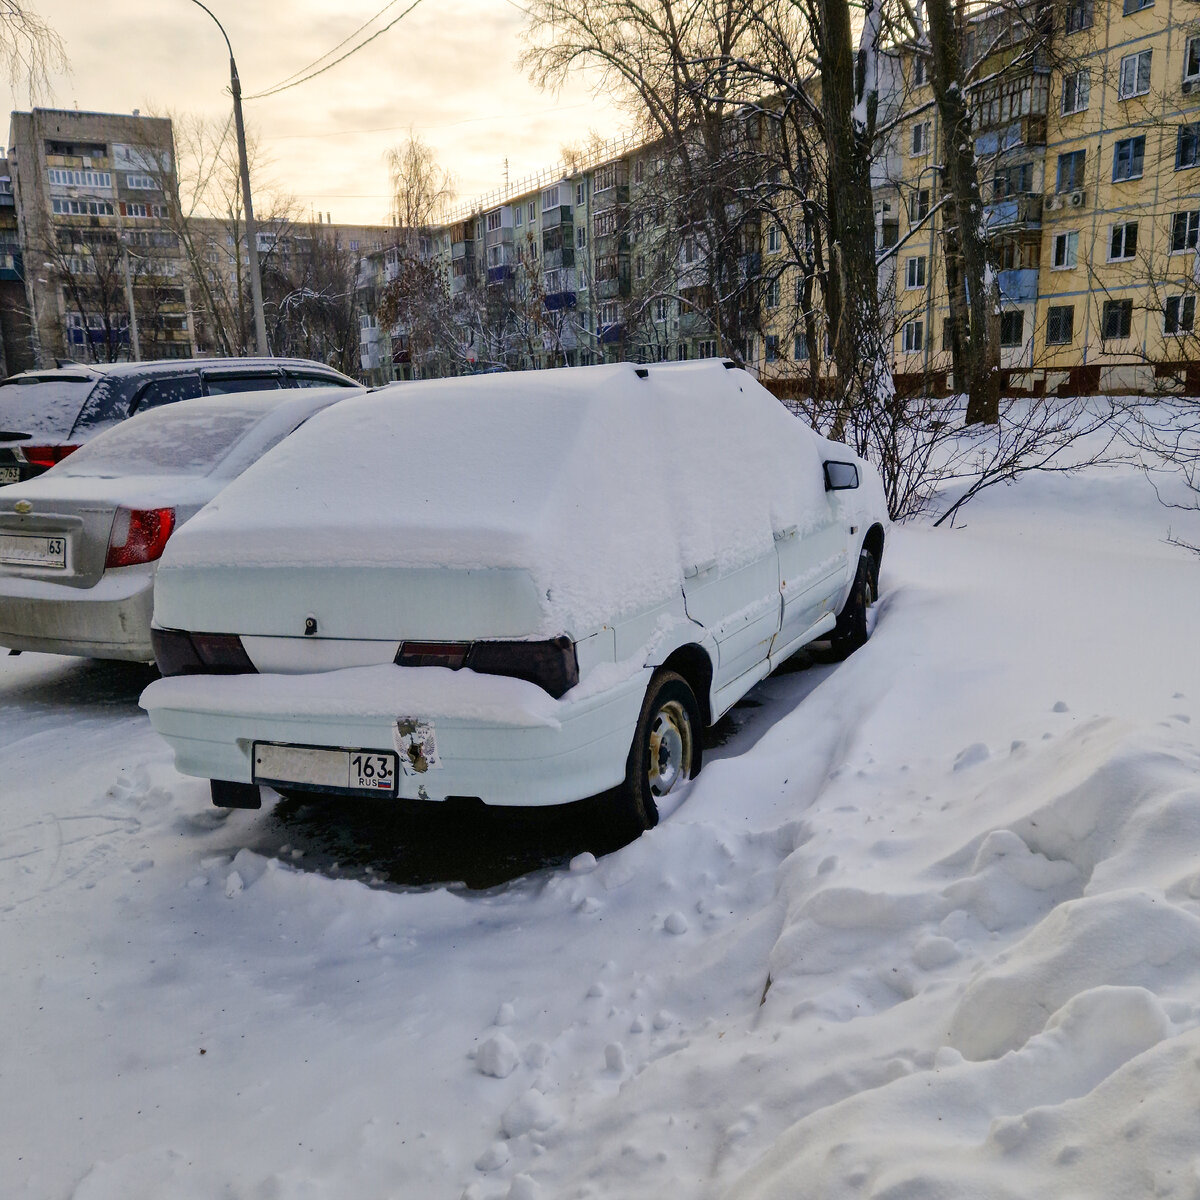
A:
{"points": [[102, 266], [1088, 162]]}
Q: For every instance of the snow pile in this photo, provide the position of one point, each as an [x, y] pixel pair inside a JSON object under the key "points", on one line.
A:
{"points": [[927, 925], [606, 486]]}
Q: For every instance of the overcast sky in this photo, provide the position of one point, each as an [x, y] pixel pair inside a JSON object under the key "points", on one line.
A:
{"points": [[448, 70]]}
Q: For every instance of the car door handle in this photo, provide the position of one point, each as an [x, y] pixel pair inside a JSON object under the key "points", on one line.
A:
{"points": [[782, 535], [699, 568]]}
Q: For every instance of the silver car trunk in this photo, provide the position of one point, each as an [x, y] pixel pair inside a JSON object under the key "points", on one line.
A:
{"points": [[86, 526], [366, 603]]}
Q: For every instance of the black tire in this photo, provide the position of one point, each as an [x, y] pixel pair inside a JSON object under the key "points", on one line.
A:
{"points": [[851, 631], [666, 751]]}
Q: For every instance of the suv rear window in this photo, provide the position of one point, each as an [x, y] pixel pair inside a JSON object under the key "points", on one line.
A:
{"points": [[42, 407], [167, 391]]}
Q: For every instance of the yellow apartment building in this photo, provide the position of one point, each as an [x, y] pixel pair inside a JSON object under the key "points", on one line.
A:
{"points": [[1090, 171]]}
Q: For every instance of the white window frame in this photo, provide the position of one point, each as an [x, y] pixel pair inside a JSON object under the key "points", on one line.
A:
{"points": [[1191, 58], [1069, 242], [919, 139], [1191, 232], [1185, 315], [1134, 76], [913, 336], [1126, 254], [1080, 92], [914, 272], [774, 239]]}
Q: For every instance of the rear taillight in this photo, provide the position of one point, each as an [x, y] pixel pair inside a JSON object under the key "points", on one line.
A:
{"points": [[179, 653], [433, 654], [46, 456], [139, 535], [551, 665]]}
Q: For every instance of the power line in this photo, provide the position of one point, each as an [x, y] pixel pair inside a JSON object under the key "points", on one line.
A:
{"points": [[317, 61], [541, 112], [283, 87]]}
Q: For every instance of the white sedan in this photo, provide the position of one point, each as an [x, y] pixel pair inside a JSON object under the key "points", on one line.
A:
{"points": [[525, 589], [79, 545]]}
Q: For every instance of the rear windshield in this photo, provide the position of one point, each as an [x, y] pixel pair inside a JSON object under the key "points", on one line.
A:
{"points": [[176, 440], [42, 407]]}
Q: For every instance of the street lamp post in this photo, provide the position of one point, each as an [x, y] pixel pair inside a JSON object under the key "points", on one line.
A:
{"points": [[235, 86]]}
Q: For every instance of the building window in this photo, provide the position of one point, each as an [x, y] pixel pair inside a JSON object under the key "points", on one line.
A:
{"points": [[518, 217], [531, 209], [1187, 148], [1076, 91], [1116, 319], [1012, 327], [1132, 6], [1191, 59], [914, 336], [772, 294], [1016, 180], [771, 342], [550, 198], [80, 179], [1179, 314], [662, 309], [918, 205], [354, 246], [580, 236], [1185, 228], [774, 239], [81, 208], [639, 170], [800, 347], [920, 138], [493, 221], [1128, 156], [1079, 15], [1060, 324], [579, 194], [914, 272], [608, 314], [142, 183], [1066, 251], [918, 71], [1134, 79], [1122, 243], [1070, 171]]}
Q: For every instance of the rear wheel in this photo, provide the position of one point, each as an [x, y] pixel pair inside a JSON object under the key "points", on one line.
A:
{"points": [[665, 751], [851, 631]]}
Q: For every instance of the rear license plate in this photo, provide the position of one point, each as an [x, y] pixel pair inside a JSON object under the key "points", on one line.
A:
{"points": [[10, 475], [326, 770], [29, 550]]}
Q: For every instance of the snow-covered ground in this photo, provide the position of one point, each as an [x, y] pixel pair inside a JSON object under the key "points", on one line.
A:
{"points": [[927, 925]]}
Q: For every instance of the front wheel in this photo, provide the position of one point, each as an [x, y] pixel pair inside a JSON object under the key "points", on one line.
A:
{"points": [[851, 631], [665, 750]]}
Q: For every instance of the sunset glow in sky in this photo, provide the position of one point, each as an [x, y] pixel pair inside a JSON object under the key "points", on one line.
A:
{"points": [[448, 70]]}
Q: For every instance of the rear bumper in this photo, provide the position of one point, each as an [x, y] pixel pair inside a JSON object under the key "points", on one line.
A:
{"points": [[501, 740], [110, 620]]}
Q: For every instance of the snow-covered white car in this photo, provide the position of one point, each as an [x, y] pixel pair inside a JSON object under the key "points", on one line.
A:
{"points": [[525, 589], [80, 543]]}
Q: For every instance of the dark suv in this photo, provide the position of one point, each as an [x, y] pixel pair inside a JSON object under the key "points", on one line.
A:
{"points": [[44, 415]]}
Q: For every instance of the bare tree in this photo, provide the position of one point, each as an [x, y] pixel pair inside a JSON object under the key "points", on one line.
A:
{"points": [[29, 47]]}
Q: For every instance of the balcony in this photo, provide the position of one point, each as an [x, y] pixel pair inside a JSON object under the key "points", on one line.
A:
{"points": [[500, 274], [612, 289], [1018, 286], [1017, 212], [557, 301], [1028, 131]]}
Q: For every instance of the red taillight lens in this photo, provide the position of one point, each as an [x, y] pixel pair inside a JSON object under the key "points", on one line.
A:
{"points": [[551, 665], [47, 456], [139, 535], [433, 654], [179, 653]]}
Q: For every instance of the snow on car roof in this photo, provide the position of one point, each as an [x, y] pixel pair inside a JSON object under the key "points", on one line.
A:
{"points": [[606, 483]]}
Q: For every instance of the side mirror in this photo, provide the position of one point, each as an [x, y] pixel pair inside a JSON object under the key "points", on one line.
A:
{"points": [[840, 476]]}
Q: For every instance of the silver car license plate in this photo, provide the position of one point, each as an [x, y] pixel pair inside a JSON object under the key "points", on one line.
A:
{"points": [[9, 475], [30, 550], [325, 770]]}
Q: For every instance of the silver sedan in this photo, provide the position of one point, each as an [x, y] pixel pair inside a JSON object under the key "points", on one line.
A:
{"points": [[79, 545]]}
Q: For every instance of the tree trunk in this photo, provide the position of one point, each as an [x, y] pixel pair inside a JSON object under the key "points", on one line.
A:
{"points": [[973, 287], [860, 351]]}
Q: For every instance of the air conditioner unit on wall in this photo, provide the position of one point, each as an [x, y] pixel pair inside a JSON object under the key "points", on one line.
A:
{"points": [[1078, 199], [1189, 86], [1054, 202]]}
